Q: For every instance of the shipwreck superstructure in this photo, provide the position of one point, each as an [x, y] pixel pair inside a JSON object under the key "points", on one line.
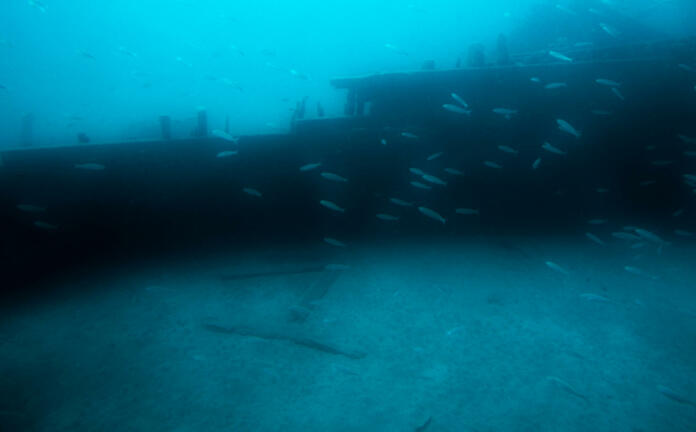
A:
{"points": [[630, 157]]}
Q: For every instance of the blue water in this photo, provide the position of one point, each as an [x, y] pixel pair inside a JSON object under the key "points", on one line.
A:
{"points": [[489, 226], [110, 69]]}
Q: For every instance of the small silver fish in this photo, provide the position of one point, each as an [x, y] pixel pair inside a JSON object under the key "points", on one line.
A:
{"points": [[685, 67], [594, 238], [601, 190], [678, 212], [537, 163], [505, 112], [671, 394], [683, 233], [395, 49], [416, 171], [453, 171], [535, 80], [90, 166], [181, 60], [38, 5], [226, 154], [507, 149], [434, 180], [686, 139], [409, 135], [567, 388], [252, 192], [661, 163], [387, 217], [420, 185], [467, 211], [647, 183], [594, 297], [454, 330], [559, 56], [459, 100], [224, 136], [611, 31], [618, 93], [298, 74], [638, 272], [490, 164], [400, 202], [456, 109], [553, 266], [606, 82], [435, 156], [432, 214], [334, 177], [550, 148], [649, 236], [383, 141], [126, 51], [556, 85], [45, 225], [332, 206], [568, 128], [690, 153], [310, 166], [30, 208], [334, 242]]}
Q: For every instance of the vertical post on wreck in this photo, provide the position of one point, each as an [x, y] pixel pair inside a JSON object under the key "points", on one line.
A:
{"points": [[359, 106], [166, 127], [502, 51], [349, 109], [202, 128], [477, 56], [27, 130]]}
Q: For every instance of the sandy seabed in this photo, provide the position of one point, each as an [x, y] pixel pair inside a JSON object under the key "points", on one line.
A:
{"points": [[478, 335]]}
